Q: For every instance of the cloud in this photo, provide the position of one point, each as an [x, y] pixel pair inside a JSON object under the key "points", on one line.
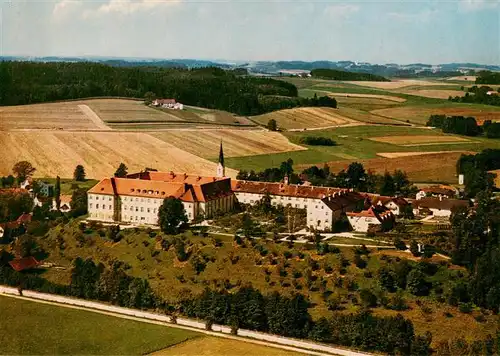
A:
{"points": [[423, 16], [126, 7], [65, 8], [341, 11], [476, 5]]}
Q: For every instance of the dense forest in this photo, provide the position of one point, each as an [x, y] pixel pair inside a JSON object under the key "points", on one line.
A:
{"points": [[214, 88], [487, 77], [342, 75]]}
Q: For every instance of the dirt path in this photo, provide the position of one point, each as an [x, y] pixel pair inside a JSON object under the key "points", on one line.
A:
{"points": [[94, 117]]}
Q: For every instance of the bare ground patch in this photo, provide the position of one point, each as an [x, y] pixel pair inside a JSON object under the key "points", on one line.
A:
{"points": [[433, 167]]}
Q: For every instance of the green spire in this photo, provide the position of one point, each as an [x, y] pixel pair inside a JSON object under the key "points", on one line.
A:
{"points": [[221, 154]]}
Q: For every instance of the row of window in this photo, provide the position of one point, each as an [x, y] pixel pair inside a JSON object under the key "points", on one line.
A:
{"points": [[97, 198], [103, 206], [131, 208]]}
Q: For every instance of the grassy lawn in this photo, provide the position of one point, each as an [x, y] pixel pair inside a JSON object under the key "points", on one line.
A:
{"points": [[31, 328], [67, 184], [213, 346]]}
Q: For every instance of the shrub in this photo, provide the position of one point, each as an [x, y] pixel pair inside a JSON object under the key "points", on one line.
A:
{"points": [[368, 299], [465, 308], [399, 244], [317, 141]]}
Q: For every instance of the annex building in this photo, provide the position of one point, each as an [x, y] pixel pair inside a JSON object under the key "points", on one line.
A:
{"points": [[324, 205]]}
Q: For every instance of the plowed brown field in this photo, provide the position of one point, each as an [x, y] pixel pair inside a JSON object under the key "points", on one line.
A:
{"points": [[437, 167], [420, 114]]}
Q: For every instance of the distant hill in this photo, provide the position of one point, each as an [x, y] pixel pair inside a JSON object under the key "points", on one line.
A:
{"points": [[343, 75], [388, 70]]}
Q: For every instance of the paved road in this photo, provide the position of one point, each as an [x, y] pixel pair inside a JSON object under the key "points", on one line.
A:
{"points": [[341, 352]]}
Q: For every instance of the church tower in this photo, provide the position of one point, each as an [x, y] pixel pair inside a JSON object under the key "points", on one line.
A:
{"points": [[221, 169]]}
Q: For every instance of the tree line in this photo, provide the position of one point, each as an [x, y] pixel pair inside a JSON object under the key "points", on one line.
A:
{"points": [[355, 177], [466, 126], [478, 95], [214, 88], [475, 170], [343, 75], [487, 77]]}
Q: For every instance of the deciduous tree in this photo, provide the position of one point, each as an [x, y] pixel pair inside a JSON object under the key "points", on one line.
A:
{"points": [[79, 173], [171, 215]]}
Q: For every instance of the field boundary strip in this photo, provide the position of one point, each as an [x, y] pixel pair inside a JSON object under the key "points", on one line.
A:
{"points": [[93, 117], [281, 342]]}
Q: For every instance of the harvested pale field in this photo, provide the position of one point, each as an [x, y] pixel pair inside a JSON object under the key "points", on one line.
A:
{"points": [[304, 118], [437, 167], [236, 143], [214, 346], [418, 139], [420, 114], [57, 153], [396, 84], [467, 78], [363, 116], [197, 114], [434, 93], [127, 110], [55, 116], [407, 154], [372, 96]]}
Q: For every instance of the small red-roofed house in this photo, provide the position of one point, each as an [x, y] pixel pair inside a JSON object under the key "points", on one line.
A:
{"points": [[23, 264], [375, 215]]}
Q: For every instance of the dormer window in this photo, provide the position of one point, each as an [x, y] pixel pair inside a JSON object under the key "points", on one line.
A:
{"points": [[132, 190]]}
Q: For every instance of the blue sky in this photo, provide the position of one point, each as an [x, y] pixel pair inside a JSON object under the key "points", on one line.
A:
{"points": [[373, 31]]}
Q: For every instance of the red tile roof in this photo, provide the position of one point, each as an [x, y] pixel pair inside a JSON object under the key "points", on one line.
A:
{"points": [[374, 212], [436, 203], [21, 264], [294, 190], [162, 185], [21, 220]]}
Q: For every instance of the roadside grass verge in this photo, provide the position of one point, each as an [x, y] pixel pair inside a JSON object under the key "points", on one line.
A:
{"points": [[31, 328]]}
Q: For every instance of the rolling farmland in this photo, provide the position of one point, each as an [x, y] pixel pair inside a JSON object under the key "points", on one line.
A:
{"points": [[236, 142], [57, 153], [305, 118], [419, 139], [432, 167], [56, 116], [420, 114]]}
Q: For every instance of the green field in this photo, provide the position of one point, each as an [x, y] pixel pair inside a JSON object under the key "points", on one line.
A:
{"points": [[31, 328], [353, 143], [68, 184]]}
